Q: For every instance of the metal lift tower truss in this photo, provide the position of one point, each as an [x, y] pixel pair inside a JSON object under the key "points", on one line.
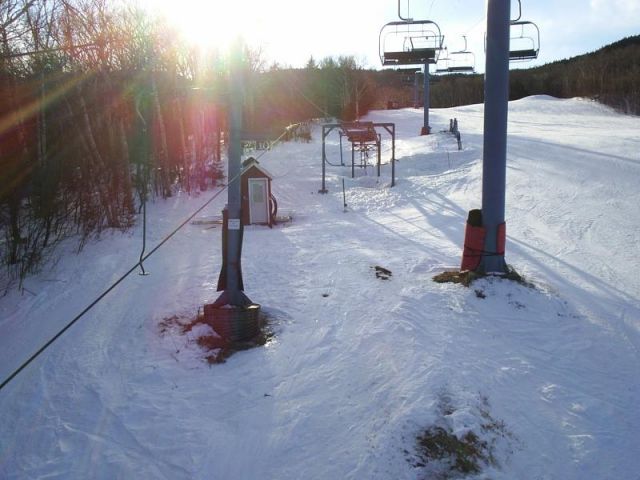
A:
{"points": [[364, 139]]}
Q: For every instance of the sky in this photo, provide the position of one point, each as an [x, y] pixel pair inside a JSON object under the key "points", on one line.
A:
{"points": [[290, 31]]}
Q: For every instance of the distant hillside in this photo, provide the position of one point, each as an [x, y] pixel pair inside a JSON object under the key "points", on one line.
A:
{"points": [[340, 88], [610, 75]]}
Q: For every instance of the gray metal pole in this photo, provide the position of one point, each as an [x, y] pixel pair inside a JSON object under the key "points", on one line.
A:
{"points": [[393, 156], [426, 130], [233, 294], [496, 98], [353, 161], [378, 148], [416, 89], [235, 162], [324, 159]]}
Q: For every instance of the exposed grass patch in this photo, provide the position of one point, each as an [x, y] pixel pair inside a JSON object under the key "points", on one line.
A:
{"points": [[466, 278], [441, 454], [463, 455]]}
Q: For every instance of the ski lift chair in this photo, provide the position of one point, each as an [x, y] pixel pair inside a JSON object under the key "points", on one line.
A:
{"points": [[525, 45], [443, 62], [410, 42], [462, 62]]}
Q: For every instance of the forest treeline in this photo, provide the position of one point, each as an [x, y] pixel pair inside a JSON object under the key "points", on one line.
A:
{"points": [[342, 88], [102, 106], [610, 75], [98, 111], [338, 88]]}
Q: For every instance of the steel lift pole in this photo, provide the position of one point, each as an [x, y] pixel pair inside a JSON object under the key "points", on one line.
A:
{"points": [[233, 315], [230, 281], [494, 166], [426, 129]]}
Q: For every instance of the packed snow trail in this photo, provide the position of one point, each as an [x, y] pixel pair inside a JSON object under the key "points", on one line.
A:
{"points": [[359, 365]]}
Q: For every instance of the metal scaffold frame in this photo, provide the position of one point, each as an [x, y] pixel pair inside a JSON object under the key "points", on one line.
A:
{"points": [[364, 138]]}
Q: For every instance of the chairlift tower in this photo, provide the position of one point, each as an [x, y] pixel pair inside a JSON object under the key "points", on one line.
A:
{"points": [[233, 315], [494, 163], [426, 128], [501, 48], [231, 276]]}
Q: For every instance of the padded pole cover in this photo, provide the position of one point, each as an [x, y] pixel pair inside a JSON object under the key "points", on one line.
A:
{"points": [[474, 234]]}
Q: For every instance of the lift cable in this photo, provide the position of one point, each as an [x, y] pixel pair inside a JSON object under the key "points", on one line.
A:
{"points": [[277, 140], [125, 275], [114, 285], [430, 7], [309, 101]]}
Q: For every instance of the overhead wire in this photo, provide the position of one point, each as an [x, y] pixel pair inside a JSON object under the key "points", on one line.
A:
{"points": [[112, 286], [311, 102], [293, 125], [277, 140], [483, 18], [430, 7]]}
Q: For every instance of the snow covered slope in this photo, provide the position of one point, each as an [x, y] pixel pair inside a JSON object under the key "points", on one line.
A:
{"points": [[359, 366]]}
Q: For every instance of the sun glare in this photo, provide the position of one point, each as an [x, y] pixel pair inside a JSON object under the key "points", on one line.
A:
{"points": [[285, 31], [209, 23]]}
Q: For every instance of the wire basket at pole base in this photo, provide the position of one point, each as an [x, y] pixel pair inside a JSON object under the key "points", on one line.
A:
{"points": [[234, 323]]}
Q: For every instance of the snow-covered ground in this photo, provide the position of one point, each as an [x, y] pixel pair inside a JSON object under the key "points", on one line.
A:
{"points": [[359, 366]]}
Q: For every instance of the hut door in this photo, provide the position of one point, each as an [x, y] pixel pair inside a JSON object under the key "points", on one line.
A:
{"points": [[258, 201]]}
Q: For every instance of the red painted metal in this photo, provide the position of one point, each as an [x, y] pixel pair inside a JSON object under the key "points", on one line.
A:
{"points": [[501, 239], [473, 247], [360, 132], [474, 234]]}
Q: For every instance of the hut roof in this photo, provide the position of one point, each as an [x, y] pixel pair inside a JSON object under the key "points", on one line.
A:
{"points": [[252, 162]]}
